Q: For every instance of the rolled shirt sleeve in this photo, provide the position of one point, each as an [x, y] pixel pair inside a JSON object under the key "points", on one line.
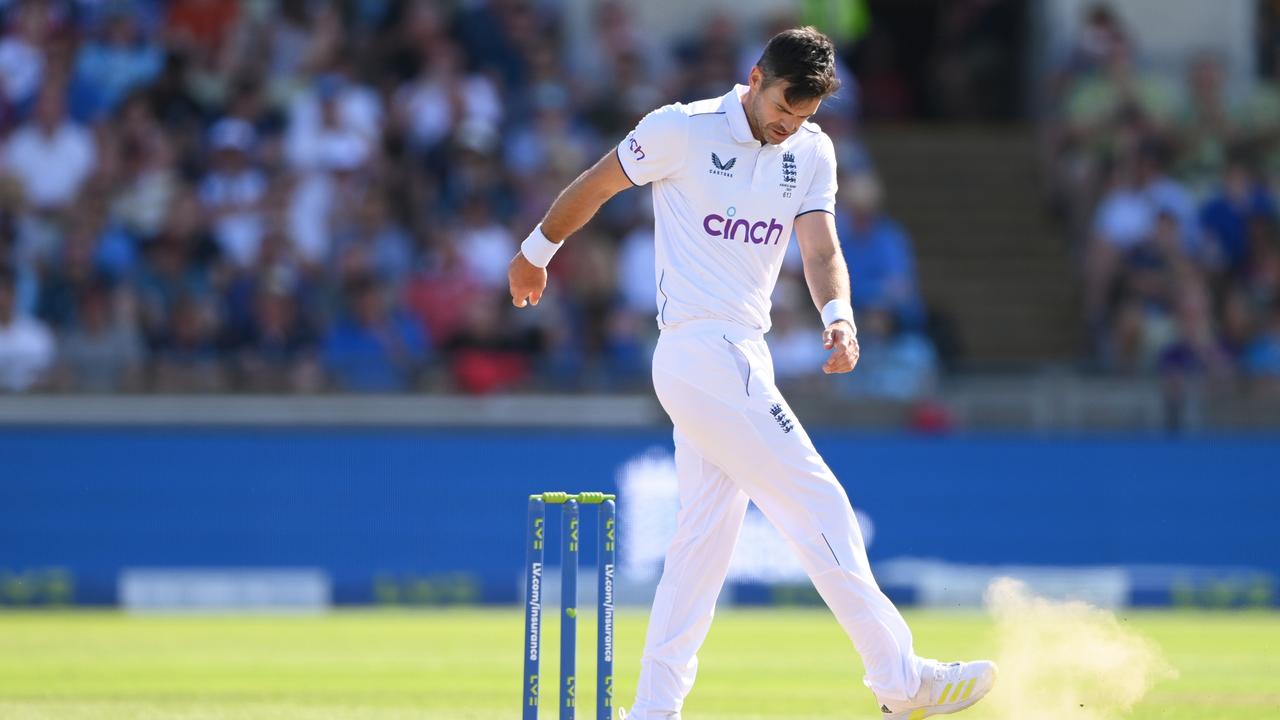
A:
{"points": [[822, 187]]}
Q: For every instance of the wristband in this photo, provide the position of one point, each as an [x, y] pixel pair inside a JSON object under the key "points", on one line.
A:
{"points": [[838, 309], [537, 249]]}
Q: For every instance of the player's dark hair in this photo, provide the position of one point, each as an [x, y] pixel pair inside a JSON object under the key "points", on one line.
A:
{"points": [[806, 59]]}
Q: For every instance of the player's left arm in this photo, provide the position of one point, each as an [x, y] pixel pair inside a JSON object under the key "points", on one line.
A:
{"points": [[828, 277]]}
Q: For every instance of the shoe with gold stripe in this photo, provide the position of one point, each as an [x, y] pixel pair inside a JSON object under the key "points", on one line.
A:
{"points": [[944, 688]]}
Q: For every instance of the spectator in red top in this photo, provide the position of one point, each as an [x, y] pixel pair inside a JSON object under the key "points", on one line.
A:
{"points": [[204, 23], [440, 293], [490, 354]]}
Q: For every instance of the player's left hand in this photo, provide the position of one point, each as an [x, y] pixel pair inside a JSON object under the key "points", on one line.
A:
{"points": [[839, 338]]}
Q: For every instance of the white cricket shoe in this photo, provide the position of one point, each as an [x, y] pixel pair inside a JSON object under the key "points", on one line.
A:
{"points": [[944, 688]]}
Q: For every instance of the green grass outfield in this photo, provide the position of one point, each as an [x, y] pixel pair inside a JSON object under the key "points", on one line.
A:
{"points": [[466, 665]]}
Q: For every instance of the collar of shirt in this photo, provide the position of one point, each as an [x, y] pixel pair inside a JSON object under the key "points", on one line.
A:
{"points": [[736, 115]]}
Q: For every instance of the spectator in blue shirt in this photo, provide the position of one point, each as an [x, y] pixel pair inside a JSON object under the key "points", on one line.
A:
{"points": [[375, 349], [1262, 356], [1227, 215], [882, 271], [108, 69]]}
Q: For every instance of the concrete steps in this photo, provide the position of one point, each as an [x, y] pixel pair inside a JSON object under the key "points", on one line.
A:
{"points": [[989, 258]]}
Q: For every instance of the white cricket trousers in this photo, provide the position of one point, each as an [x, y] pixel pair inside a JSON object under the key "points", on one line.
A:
{"points": [[737, 441]]}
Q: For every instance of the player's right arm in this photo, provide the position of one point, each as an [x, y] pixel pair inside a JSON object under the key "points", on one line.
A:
{"points": [[576, 204], [653, 151]]}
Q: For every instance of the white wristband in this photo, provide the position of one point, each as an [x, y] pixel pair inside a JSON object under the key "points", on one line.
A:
{"points": [[537, 249], [838, 309]]}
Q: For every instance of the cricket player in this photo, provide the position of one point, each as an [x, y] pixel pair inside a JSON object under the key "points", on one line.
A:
{"points": [[732, 177]]}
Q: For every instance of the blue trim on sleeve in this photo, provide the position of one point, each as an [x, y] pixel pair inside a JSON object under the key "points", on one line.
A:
{"points": [[662, 311], [806, 212], [623, 165]]}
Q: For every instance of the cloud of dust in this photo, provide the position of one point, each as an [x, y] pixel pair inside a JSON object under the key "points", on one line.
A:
{"points": [[1061, 660]]}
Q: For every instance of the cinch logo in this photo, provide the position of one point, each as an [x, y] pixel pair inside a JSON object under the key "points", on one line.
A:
{"points": [[758, 232]]}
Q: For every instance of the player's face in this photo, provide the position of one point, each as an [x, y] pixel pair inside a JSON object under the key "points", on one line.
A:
{"points": [[773, 117]]}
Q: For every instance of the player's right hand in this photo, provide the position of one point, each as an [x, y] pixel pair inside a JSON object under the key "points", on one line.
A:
{"points": [[842, 340], [527, 281]]}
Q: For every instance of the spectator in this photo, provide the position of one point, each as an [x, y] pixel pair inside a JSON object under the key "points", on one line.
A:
{"points": [[636, 270], [612, 110], [1097, 100], [102, 352], [22, 57], [279, 351], [626, 350], [74, 271], [1226, 217], [1099, 37], [172, 102], [549, 140], [149, 179], [375, 348], [26, 345], [1165, 195], [1207, 126], [1195, 361], [205, 24], [490, 354], [796, 355], [475, 171], [334, 111], [186, 351], [1148, 278], [442, 96], [1103, 115], [490, 31], [276, 270], [485, 245], [708, 58], [177, 264], [1262, 356], [895, 365], [616, 48], [1122, 221], [249, 103], [333, 131], [302, 36], [878, 252], [234, 191], [107, 69], [1263, 284], [51, 156], [375, 244], [440, 293]]}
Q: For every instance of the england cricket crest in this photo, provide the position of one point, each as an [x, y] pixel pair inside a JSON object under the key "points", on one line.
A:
{"points": [[788, 171]]}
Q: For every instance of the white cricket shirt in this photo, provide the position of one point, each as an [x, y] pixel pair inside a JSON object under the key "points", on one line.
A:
{"points": [[723, 205]]}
